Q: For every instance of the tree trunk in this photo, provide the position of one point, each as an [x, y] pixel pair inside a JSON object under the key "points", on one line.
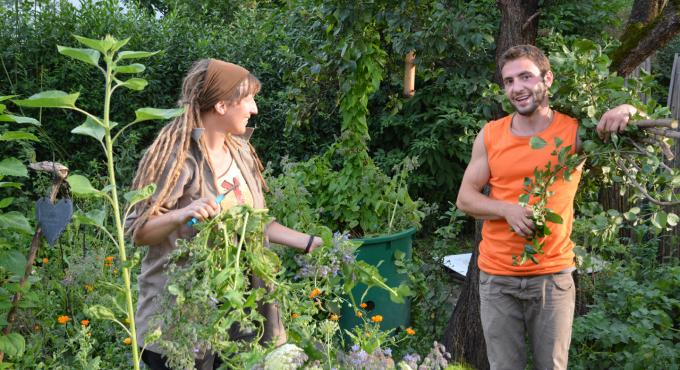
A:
{"points": [[519, 25], [644, 11], [650, 28], [463, 337]]}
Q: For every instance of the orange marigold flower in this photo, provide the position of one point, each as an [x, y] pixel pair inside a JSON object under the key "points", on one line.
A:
{"points": [[45, 260], [63, 319], [294, 315], [410, 331], [334, 317], [85, 323], [127, 341], [363, 305], [377, 318], [359, 314], [108, 261], [314, 293]]}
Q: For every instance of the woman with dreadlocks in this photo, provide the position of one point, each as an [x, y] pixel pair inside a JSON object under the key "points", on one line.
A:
{"points": [[198, 156]]}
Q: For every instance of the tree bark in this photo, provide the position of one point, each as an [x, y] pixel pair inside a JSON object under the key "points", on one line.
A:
{"points": [[649, 29], [519, 25], [463, 337], [644, 11]]}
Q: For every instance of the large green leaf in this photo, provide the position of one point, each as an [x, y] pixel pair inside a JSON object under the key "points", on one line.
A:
{"points": [[6, 202], [12, 167], [135, 54], [146, 114], [7, 97], [19, 119], [13, 261], [15, 221], [88, 56], [90, 128], [18, 135], [553, 217], [13, 344], [103, 45], [94, 217], [137, 84], [136, 196], [100, 312], [536, 142], [81, 185], [132, 68], [49, 99], [10, 184], [659, 219], [119, 44]]}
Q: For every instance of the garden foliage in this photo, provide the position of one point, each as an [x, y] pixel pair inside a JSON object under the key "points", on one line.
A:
{"points": [[331, 74]]}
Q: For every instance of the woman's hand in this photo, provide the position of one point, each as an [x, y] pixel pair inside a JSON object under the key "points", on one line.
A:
{"points": [[317, 242], [201, 209]]}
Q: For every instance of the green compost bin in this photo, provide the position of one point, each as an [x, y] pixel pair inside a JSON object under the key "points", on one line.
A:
{"points": [[372, 251]]}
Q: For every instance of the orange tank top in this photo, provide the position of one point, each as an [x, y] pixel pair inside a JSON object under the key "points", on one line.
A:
{"points": [[511, 159]]}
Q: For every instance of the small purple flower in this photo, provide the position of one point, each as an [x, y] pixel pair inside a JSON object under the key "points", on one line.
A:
{"points": [[355, 348], [412, 358], [387, 352]]}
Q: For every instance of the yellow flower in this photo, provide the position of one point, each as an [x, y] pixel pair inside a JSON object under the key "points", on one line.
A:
{"points": [[314, 293], [45, 260], [294, 315], [334, 317], [377, 318], [36, 328], [89, 288], [363, 305], [85, 323], [127, 341], [63, 319], [359, 314], [410, 331]]}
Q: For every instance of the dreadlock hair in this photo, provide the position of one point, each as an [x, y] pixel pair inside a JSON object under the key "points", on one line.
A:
{"points": [[175, 138]]}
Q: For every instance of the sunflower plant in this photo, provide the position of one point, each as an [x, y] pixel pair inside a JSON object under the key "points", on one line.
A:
{"points": [[116, 66]]}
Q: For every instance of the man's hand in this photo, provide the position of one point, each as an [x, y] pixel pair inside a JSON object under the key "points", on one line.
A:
{"points": [[615, 120], [519, 219]]}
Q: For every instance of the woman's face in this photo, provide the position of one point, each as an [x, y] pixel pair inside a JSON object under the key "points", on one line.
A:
{"points": [[236, 116]]}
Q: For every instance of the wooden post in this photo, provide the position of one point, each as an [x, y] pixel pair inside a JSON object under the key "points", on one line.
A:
{"points": [[669, 247], [409, 75], [59, 173]]}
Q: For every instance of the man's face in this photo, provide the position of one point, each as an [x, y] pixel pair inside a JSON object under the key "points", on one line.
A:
{"points": [[524, 86]]}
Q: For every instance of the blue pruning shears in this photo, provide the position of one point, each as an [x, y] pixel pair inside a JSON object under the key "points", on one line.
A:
{"points": [[218, 200]]}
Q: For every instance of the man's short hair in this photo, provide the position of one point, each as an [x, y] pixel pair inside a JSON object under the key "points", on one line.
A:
{"points": [[530, 52]]}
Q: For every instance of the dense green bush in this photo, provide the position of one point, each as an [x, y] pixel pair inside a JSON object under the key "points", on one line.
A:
{"points": [[634, 324]]}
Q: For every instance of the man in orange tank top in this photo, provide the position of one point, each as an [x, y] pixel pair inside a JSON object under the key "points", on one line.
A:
{"points": [[534, 300]]}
